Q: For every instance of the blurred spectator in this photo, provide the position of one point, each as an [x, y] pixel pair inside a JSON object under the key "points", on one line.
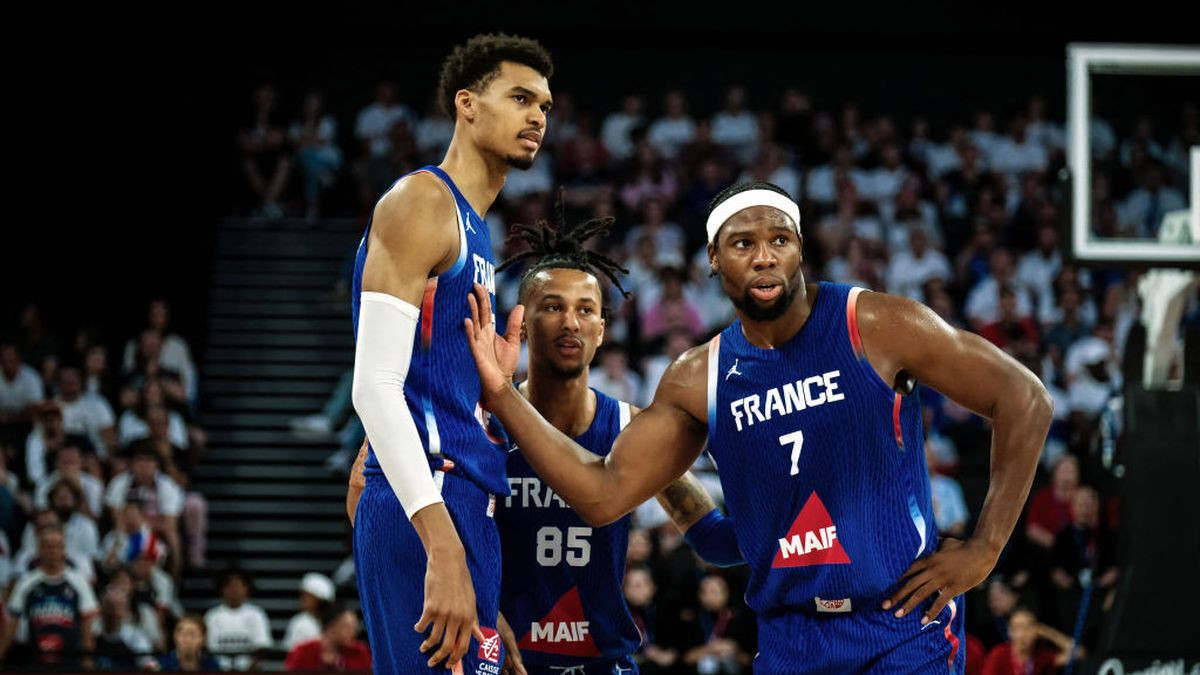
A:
{"points": [[46, 440], [134, 423], [435, 129], [337, 647], [1009, 331], [658, 653], [670, 309], [910, 269], [189, 654], [676, 343], [736, 127], [86, 414], [770, 166], [161, 498], [173, 351], [316, 595], [1018, 153], [1037, 269], [720, 638], [1050, 507], [675, 129], [68, 467], [1085, 563], [990, 623], [374, 130], [614, 377], [82, 536], [132, 538], [265, 161], [949, 508], [821, 186], [647, 176], [314, 137], [615, 132], [1143, 209], [50, 611], [120, 644], [1041, 130], [154, 589], [237, 629], [98, 379], [1093, 376], [883, 183], [1022, 655], [77, 559], [983, 134], [983, 302], [20, 395], [668, 237]]}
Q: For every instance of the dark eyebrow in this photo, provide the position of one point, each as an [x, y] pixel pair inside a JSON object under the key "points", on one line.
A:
{"points": [[559, 298], [518, 89]]}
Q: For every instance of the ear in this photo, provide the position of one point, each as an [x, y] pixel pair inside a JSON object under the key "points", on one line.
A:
{"points": [[712, 258], [524, 334], [464, 102], [600, 338], [801, 237]]}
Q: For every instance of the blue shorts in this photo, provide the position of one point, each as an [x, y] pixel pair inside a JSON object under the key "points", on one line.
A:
{"points": [[622, 666], [868, 639], [390, 569]]}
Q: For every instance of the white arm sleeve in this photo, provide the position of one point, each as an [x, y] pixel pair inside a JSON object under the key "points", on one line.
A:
{"points": [[387, 327]]}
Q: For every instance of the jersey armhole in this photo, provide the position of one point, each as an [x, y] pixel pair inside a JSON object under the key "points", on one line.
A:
{"points": [[461, 261], [714, 356], [860, 356]]}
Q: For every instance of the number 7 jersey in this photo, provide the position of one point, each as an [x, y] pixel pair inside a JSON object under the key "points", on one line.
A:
{"points": [[821, 462]]}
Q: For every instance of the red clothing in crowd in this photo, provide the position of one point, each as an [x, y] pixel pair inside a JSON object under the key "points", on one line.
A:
{"points": [[307, 656], [1002, 661], [1049, 512]]}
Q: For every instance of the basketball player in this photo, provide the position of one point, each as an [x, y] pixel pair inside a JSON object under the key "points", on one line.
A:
{"points": [[425, 544], [562, 579], [807, 405]]}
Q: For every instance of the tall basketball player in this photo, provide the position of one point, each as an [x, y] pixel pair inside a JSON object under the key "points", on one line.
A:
{"points": [[806, 403], [561, 589], [425, 544]]}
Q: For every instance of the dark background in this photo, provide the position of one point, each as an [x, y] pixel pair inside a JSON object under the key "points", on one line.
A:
{"points": [[126, 118]]}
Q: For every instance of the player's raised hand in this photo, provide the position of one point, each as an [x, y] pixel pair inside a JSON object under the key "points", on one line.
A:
{"points": [[512, 653], [449, 612], [956, 567], [495, 355]]}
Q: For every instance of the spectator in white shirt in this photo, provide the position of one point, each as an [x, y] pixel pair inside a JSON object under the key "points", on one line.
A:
{"points": [[1048, 134], [675, 129], [735, 127], [172, 351], [161, 497], [771, 167], [614, 376], [1143, 210], [86, 414], [314, 136], [668, 237], [884, 182], [908, 270], [984, 135], [237, 629], [615, 132], [29, 556], [821, 185], [949, 507], [374, 124], [20, 393], [1037, 269], [983, 302], [316, 594], [68, 466], [1018, 153]]}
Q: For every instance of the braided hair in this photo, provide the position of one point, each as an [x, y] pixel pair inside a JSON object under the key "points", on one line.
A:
{"points": [[554, 248]]}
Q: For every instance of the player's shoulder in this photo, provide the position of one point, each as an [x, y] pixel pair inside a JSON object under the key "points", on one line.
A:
{"points": [[419, 199], [886, 312], [685, 382]]}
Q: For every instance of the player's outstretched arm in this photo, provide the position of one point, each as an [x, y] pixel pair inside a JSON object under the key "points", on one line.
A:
{"points": [[899, 334], [653, 450], [412, 237]]}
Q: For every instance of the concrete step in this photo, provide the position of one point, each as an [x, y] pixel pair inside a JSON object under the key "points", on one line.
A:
{"points": [[275, 546], [311, 372], [287, 326], [280, 527], [302, 310], [340, 339], [291, 388], [273, 438], [303, 495], [246, 472], [248, 264], [268, 456], [259, 508], [247, 420], [300, 356], [280, 403]]}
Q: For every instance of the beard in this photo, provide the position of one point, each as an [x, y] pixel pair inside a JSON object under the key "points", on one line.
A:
{"points": [[754, 311], [567, 372], [519, 162]]}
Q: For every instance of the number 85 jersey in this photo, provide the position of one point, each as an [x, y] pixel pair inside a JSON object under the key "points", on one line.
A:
{"points": [[561, 587], [822, 464]]}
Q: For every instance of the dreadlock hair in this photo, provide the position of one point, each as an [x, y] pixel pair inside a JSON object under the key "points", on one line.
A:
{"points": [[553, 248], [474, 64]]}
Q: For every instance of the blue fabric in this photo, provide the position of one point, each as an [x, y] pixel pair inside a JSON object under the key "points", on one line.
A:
{"points": [[715, 540]]}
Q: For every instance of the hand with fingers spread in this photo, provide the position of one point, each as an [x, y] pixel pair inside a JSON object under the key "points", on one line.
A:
{"points": [[955, 568], [512, 653], [449, 612], [495, 355]]}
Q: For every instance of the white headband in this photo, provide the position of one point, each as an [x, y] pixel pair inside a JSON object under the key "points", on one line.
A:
{"points": [[744, 200]]}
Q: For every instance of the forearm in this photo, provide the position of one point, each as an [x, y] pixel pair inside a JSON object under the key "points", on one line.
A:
{"points": [[437, 532], [686, 501], [581, 478], [1020, 420]]}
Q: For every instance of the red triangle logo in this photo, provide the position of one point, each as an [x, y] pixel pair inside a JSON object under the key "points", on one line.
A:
{"points": [[564, 630], [812, 539]]}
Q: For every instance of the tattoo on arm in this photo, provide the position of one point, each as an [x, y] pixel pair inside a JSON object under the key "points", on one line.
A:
{"points": [[686, 501]]}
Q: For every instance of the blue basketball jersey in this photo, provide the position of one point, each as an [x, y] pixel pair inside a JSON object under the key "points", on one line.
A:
{"points": [[821, 462], [442, 387], [562, 579]]}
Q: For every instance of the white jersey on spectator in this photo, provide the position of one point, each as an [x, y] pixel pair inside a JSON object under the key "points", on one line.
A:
{"points": [[30, 581], [80, 535], [234, 634], [93, 491], [87, 416], [301, 628], [132, 428]]}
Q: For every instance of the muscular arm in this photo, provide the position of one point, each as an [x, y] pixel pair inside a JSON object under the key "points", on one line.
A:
{"points": [[975, 374], [654, 449]]}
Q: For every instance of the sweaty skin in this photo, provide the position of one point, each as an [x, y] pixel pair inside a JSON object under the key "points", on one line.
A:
{"points": [[759, 248]]}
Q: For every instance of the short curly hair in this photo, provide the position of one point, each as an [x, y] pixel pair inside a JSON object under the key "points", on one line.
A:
{"points": [[474, 64]]}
